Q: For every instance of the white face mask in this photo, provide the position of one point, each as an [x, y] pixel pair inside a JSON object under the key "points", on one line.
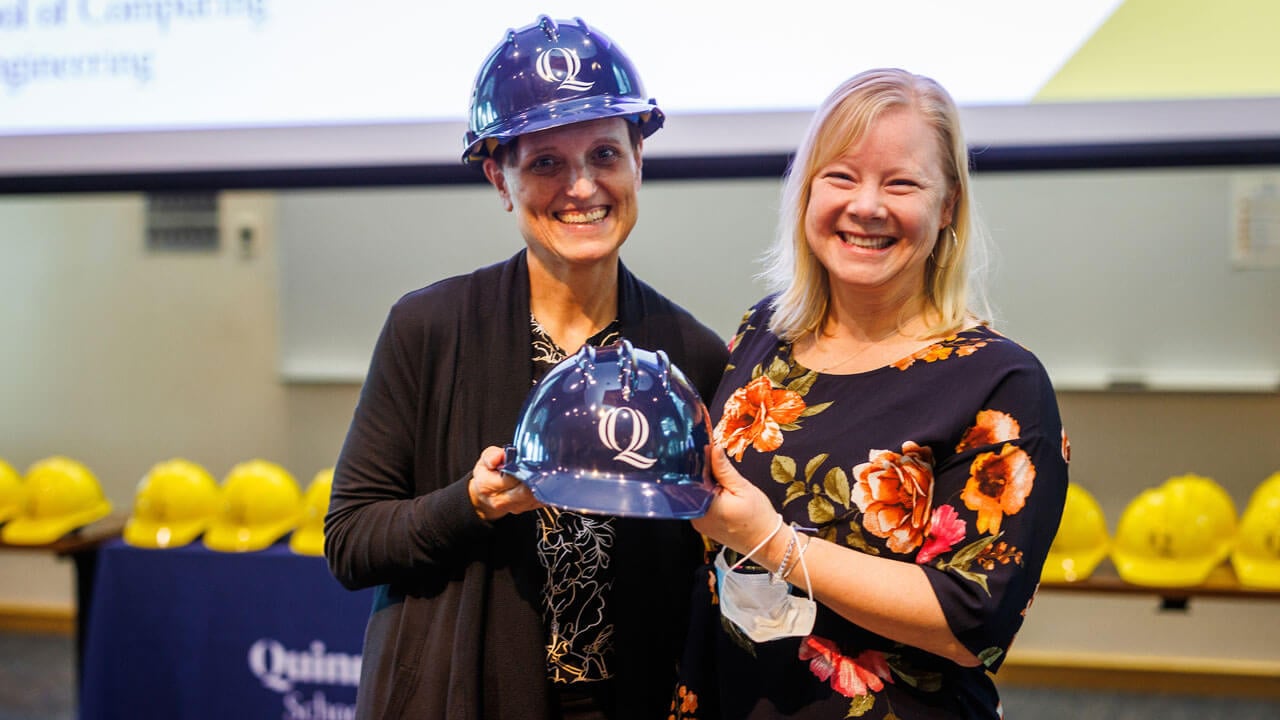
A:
{"points": [[761, 606]]}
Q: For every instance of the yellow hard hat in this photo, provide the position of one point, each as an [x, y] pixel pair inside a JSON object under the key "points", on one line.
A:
{"points": [[61, 495], [1163, 541], [1214, 507], [12, 495], [260, 504], [308, 539], [1270, 486], [1081, 541], [174, 503], [1256, 556]]}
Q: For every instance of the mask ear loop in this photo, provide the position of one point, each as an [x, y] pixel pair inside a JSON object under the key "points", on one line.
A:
{"points": [[763, 542]]}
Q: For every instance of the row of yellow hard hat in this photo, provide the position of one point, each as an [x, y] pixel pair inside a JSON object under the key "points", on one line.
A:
{"points": [[176, 502], [1172, 535], [258, 503]]}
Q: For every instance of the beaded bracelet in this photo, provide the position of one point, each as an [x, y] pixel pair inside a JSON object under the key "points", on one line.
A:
{"points": [[778, 575], [799, 557]]}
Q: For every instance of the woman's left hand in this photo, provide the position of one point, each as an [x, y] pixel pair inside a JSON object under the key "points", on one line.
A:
{"points": [[740, 515], [495, 493]]}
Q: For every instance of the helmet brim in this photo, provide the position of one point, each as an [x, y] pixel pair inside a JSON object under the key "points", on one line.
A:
{"points": [[553, 115], [1163, 572], [676, 498], [1255, 572], [152, 534], [42, 531], [1071, 566], [239, 538], [307, 541]]}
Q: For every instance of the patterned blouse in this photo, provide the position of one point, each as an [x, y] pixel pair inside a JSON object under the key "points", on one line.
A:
{"points": [[953, 458], [575, 550]]}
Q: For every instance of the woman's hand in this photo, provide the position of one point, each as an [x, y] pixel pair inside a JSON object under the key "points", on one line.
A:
{"points": [[890, 597], [493, 492], [740, 515]]}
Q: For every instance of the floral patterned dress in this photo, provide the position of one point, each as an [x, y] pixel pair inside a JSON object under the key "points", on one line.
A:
{"points": [[954, 458]]}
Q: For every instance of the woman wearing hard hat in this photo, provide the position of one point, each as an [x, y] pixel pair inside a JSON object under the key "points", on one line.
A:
{"points": [[488, 603]]}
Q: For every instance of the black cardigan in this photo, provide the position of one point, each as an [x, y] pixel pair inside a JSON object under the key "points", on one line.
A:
{"points": [[456, 628]]}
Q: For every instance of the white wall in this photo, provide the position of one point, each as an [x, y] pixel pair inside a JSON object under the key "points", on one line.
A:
{"points": [[121, 358]]}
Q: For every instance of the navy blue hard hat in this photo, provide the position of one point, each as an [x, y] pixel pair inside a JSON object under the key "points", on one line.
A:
{"points": [[553, 73], [615, 430]]}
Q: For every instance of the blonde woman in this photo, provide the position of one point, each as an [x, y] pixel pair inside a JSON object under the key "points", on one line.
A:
{"points": [[881, 448]]}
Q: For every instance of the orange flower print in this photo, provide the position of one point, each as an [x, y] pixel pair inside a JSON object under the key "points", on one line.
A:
{"points": [[689, 703], [684, 706], [753, 416], [1001, 552], [942, 350], [999, 483], [895, 492], [933, 353], [990, 427]]}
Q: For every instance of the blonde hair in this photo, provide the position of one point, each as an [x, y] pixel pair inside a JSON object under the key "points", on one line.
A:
{"points": [[954, 284]]}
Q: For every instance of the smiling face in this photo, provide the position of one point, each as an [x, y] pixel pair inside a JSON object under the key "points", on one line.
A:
{"points": [[876, 211], [573, 190]]}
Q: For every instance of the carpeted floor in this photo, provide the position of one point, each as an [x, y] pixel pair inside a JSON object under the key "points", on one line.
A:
{"points": [[37, 679]]}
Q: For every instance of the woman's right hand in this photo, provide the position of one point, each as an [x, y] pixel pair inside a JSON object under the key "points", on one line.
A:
{"points": [[495, 493], [740, 514]]}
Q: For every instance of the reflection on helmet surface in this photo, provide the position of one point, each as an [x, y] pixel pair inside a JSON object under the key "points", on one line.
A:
{"points": [[615, 430], [551, 73]]}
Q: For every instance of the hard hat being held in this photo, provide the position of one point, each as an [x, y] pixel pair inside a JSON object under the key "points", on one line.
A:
{"points": [[12, 491], [615, 430], [1214, 506], [1162, 540], [1256, 555], [174, 503], [552, 73], [62, 495], [1081, 542], [260, 503], [308, 539]]}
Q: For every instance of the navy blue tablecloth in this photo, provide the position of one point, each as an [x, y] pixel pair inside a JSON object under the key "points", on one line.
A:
{"points": [[192, 633]]}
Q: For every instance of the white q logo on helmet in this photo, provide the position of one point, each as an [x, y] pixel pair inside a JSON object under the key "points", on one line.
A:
{"points": [[573, 65], [639, 436], [615, 430]]}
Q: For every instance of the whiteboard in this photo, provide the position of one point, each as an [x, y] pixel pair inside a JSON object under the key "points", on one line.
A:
{"points": [[1116, 279], [346, 256], [1125, 279]]}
